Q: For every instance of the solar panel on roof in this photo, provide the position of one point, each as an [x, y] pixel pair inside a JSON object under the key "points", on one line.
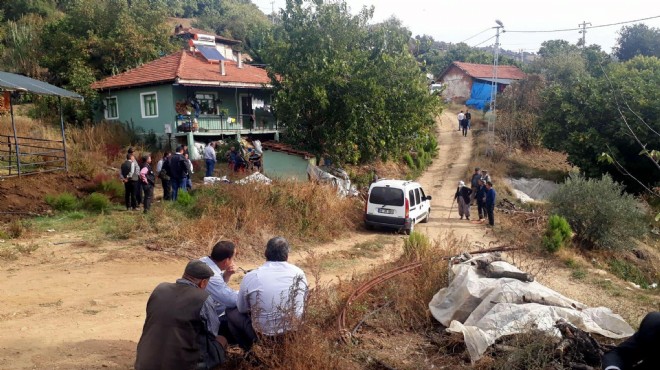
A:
{"points": [[210, 53]]}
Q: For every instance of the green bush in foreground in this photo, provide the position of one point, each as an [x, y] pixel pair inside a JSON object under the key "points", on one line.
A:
{"points": [[600, 213], [557, 234], [113, 187], [416, 246], [62, 202], [97, 202]]}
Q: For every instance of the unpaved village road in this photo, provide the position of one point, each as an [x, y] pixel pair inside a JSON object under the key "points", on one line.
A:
{"points": [[82, 307]]}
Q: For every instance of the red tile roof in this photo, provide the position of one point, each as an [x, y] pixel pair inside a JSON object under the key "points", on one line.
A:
{"points": [[486, 71], [185, 67]]}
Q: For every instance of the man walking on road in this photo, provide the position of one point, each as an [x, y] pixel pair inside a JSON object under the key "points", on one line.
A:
{"points": [[481, 199], [468, 118], [490, 203], [210, 158], [461, 117]]}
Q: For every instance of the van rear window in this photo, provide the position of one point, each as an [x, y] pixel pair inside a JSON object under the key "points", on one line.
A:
{"points": [[386, 196]]}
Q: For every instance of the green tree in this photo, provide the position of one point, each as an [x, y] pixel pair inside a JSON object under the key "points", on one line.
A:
{"points": [[22, 40], [346, 88], [16, 9], [638, 39], [617, 113]]}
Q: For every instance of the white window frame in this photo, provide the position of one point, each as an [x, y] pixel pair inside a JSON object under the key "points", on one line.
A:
{"points": [[106, 113], [215, 97], [142, 112]]}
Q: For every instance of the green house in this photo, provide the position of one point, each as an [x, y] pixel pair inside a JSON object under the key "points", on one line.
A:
{"points": [[196, 93]]}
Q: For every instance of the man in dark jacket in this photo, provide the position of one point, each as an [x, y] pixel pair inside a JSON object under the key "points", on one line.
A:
{"points": [[178, 172], [129, 175], [490, 203], [463, 197], [481, 199], [180, 331], [163, 168], [639, 352], [474, 185]]}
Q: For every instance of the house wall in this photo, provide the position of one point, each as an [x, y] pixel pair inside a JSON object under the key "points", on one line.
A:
{"points": [[284, 166], [458, 84], [129, 107]]}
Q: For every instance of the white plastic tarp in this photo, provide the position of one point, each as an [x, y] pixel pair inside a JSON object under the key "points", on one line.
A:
{"points": [[343, 185], [485, 309]]}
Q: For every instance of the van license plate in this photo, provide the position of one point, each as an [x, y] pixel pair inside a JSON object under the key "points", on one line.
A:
{"points": [[386, 211]]}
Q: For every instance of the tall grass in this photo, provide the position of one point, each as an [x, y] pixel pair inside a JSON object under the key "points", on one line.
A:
{"points": [[251, 214]]}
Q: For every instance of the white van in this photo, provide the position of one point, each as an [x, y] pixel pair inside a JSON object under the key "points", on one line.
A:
{"points": [[396, 204]]}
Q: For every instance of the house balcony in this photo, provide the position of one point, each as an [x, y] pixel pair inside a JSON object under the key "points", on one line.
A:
{"points": [[226, 124]]}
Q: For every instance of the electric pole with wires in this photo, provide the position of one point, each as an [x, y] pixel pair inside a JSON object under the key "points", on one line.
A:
{"points": [[493, 88], [583, 31]]}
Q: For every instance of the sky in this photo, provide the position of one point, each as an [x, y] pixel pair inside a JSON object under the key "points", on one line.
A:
{"points": [[456, 21]]}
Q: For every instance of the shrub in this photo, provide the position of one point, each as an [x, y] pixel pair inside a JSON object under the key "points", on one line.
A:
{"points": [[112, 187], [416, 246], [409, 160], [629, 272], [185, 199], [599, 212], [62, 202], [97, 202], [557, 234]]}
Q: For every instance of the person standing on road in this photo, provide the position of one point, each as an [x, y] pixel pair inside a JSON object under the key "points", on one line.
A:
{"points": [[461, 117], [181, 328], [485, 176], [210, 158], [463, 197], [148, 181], [130, 174], [481, 199], [464, 127], [162, 168], [189, 169], [474, 183], [490, 203], [178, 171], [468, 118]]}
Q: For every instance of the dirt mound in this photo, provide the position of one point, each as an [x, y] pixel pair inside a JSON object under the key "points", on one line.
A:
{"points": [[25, 196]]}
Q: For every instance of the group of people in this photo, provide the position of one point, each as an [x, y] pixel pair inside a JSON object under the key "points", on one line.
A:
{"points": [[250, 157], [191, 322], [481, 190], [139, 181], [464, 121], [175, 172]]}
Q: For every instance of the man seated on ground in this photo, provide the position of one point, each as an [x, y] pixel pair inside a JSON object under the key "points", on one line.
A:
{"points": [[271, 299], [639, 352], [180, 331], [221, 261], [255, 154]]}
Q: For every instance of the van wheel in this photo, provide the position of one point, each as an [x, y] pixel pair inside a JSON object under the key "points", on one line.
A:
{"points": [[411, 230], [428, 215]]}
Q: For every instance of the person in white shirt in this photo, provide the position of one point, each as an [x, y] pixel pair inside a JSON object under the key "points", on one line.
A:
{"points": [[210, 158], [271, 299], [461, 117]]}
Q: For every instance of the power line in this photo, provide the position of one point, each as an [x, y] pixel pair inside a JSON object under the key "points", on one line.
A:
{"points": [[580, 28], [490, 38], [473, 36]]}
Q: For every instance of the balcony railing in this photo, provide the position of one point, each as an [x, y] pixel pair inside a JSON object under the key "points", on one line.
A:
{"points": [[222, 123]]}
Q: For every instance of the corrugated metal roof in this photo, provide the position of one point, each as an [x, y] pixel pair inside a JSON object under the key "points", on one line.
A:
{"points": [[14, 82]]}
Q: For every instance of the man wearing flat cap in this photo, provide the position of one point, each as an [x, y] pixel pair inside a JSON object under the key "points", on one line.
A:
{"points": [[180, 331]]}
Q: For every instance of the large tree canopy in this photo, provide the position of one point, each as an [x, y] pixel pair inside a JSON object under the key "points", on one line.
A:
{"points": [[346, 88], [584, 121], [638, 39]]}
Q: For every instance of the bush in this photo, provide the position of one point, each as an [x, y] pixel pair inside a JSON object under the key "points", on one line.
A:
{"points": [[416, 246], [409, 161], [97, 202], [62, 202], [557, 235], [113, 188], [599, 212], [185, 199], [629, 272]]}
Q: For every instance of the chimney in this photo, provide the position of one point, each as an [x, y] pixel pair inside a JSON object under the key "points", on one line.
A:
{"points": [[223, 71], [240, 60]]}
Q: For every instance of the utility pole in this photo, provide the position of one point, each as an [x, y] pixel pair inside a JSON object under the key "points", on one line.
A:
{"points": [[493, 87], [584, 32]]}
